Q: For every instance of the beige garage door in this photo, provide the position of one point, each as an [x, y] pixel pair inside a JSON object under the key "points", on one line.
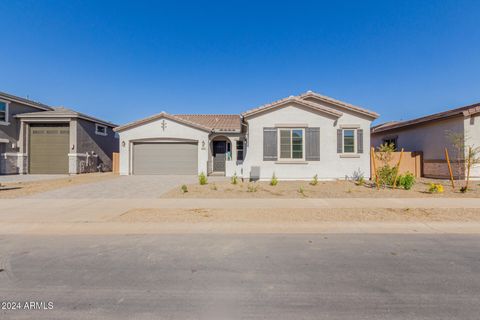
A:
{"points": [[48, 149], [165, 158]]}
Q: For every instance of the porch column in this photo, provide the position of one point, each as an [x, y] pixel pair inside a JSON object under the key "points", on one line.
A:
{"points": [[233, 147]]}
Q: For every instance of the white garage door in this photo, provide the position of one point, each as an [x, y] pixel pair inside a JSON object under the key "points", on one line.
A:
{"points": [[165, 158]]}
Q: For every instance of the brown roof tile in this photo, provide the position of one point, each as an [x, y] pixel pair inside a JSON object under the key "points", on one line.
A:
{"points": [[217, 122]]}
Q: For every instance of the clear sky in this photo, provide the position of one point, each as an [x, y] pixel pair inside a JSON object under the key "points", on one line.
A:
{"points": [[122, 61]]}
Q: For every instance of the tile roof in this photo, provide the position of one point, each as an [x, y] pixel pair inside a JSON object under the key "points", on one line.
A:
{"points": [[60, 112], [310, 94], [346, 105], [290, 100], [161, 115], [216, 122], [462, 111]]}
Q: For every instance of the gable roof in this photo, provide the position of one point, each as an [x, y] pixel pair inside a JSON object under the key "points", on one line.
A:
{"points": [[161, 115], [216, 122], [348, 106], [24, 101], [291, 99], [61, 112], [464, 111]]}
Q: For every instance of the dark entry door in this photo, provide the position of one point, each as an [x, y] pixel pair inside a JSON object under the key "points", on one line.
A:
{"points": [[219, 157]]}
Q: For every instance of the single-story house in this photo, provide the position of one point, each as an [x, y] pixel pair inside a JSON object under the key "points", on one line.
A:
{"points": [[431, 135], [39, 139], [294, 138]]}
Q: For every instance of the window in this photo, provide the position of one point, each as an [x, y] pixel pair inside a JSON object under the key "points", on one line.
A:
{"points": [[349, 140], [391, 141], [291, 144], [100, 130], [239, 150], [3, 112]]}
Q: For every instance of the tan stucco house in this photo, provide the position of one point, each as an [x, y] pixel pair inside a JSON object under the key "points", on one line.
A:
{"points": [[294, 138], [39, 139], [431, 135]]}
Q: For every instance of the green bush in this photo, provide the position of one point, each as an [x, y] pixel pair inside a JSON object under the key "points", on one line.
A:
{"points": [[406, 180], [234, 179], [184, 188], [274, 180], [301, 190], [314, 181], [386, 175], [252, 188], [202, 179]]}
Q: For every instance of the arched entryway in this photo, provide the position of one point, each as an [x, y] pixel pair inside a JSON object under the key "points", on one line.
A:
{"points": [[221, 147]]}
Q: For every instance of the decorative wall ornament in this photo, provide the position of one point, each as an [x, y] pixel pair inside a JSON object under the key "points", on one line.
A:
{"points": [[164, 124]]}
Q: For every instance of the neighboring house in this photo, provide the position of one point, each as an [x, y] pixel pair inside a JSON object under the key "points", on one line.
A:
{"points": [[295, 138], [36, 138], [431, 135]]}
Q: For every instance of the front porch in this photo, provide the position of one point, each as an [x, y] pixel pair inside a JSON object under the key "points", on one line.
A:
{"points": [[226, 154]]}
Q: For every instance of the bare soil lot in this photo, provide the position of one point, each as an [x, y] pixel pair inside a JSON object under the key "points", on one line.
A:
{"points": [[324, 189], [22, 189], [292, 216]]}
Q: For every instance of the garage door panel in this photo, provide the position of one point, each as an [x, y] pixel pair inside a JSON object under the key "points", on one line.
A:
{"points": [[48, 149], [165, 158]]}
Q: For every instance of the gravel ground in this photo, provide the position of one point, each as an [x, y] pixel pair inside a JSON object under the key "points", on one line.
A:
{"points": [[297, 215], [324, 189]]}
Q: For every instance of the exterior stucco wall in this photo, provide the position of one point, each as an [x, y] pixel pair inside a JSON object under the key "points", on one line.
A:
{"points": [[331, 165], [430, 138], [102, 146], [153, 131], [11, 131], [472, 134]]}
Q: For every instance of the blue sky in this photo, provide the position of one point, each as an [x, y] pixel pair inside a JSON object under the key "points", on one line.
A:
{"points": [[125, 60]]}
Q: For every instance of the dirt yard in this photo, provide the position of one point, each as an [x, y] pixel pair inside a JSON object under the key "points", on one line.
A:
{"points": [[297, 215], [22, 189], [324, 189]]}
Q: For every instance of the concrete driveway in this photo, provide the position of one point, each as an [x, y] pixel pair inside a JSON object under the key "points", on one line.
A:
{"points": [[30, 177], [122, 187]]}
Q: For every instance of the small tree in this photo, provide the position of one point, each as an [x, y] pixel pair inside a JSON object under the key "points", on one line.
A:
{"points": [[386, 173]]}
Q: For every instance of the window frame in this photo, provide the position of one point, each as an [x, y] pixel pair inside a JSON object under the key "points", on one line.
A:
{"points": [[97, 125], [241, 149], [279, 154], [7, 108], [394, 139], [355, 151]]}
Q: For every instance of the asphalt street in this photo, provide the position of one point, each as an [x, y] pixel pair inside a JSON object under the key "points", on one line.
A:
{"points": [[241, 276]]}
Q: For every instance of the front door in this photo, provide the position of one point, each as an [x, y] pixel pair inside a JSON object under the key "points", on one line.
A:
{"points": [[219, 151]]}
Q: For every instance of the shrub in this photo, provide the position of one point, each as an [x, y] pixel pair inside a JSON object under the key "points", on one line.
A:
{"points": [[435, 188], [214, 187], [234, 179], [386, 175], [314, 181], [406, 180], [301, 191], [202, 179], [252, 188], [360, 181], [463, 189], [274, 180], [184, 188]]}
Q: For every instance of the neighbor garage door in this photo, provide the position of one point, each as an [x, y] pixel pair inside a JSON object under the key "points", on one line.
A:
{"points": [[165, 158], [48, 149]]}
